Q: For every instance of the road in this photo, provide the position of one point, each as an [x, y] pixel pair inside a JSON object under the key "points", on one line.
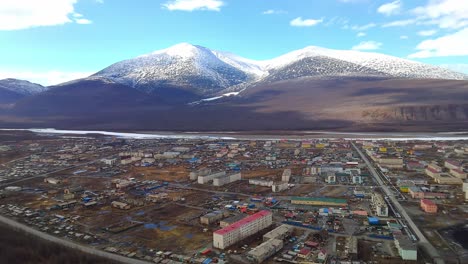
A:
{"points": [[68, 243], [423, 242]]}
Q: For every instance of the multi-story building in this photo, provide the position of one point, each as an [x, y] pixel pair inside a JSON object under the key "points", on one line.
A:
{"points": [[459, 173], [286, 175], [265, 250], [242, 229], [379, 204], [220, 181], [428, 206], [207, 178], [407, 249], [451, 164], [432, 172]]}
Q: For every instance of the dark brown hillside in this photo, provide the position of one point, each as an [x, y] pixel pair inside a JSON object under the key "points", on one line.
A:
{"points": [[300, 104]]}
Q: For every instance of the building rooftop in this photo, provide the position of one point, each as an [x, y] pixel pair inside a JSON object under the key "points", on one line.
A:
{"points": [[242, 222], [321, 199], [427, 202]]}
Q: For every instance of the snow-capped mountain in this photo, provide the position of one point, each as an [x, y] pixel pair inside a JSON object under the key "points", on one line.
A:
{"points": [[328, 62], [206, 72], [183, 66], [21, 87]]}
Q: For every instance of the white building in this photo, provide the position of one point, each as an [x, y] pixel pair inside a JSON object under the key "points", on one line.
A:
{"points": [[357, 179], [109, 162], [406, 248], [279, 187], [242, 229], [210, 177], [265, 250], [227, 179], [261, 182], [286, 175], [379, 205]]}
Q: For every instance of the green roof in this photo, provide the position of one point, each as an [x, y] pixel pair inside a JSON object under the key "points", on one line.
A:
{"points": [[321, 199]]}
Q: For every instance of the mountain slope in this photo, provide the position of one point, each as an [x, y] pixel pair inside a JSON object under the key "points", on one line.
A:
{"points": [[387, 65], [182, 66], [11, 90], [313, 88], [196, 72]]}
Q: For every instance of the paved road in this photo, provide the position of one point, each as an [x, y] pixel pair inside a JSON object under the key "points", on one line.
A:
{"points": [[69, 244], [425, 244]]}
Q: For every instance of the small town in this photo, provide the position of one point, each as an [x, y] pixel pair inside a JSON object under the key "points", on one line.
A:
{"points": [[215, 200]]}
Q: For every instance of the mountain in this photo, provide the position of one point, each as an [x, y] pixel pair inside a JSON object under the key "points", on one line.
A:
{"points": [[185, 67], [317, 61], [187, 87], [11, 90]]}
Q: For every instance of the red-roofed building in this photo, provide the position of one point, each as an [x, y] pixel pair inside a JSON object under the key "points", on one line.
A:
{"points": [[428, 206], [304, 252], [242, 229], [432, 172], [452, 164], [458, 173]]}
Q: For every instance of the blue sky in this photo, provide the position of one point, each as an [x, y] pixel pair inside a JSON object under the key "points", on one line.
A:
{"points": [[51, 41]]}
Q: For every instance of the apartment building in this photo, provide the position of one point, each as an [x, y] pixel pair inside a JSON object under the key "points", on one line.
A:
{"points": [[379, 205], [242, 229]]}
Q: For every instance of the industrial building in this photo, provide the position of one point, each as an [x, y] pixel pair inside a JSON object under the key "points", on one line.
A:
{"points": [[319, 201], [242, 229], [213, 217], [379, 205]]}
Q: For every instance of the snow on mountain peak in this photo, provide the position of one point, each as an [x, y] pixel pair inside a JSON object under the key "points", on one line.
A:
{"points": [[21, 86], [209, 71], [181, 50]]}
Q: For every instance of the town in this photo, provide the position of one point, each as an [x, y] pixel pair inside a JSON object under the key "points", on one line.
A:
{"points": [[216, 200]]}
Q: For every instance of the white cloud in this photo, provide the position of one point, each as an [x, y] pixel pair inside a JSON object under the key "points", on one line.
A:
{"points": [[274, 12], [403, 37], [456, 67], [368, 45], [363, 27], [427, 33], [352, 1], [400, 23], [23, 14], [450, 45], [391, 8], [444, 13], [299, 22], [83, 21], [192, 5], [44, 78], [361, 34]]}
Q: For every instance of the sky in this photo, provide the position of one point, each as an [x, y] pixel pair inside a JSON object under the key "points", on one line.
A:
{"points": [[53, 41]]}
